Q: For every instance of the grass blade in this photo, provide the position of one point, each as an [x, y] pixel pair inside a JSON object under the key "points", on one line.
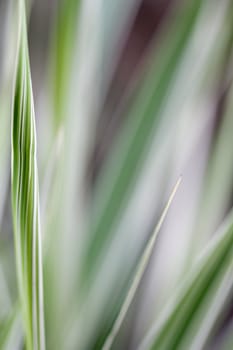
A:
{"points": [[139, 273], [25, 196]]}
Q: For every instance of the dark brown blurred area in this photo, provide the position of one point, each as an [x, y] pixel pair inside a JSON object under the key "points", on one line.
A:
{"points": [[145, 29]]}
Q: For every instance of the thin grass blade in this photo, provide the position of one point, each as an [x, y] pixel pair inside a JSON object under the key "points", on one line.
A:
{"points": [[139, 273]]}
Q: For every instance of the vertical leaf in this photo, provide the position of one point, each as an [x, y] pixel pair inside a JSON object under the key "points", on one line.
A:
{"points": [[25, 196]]}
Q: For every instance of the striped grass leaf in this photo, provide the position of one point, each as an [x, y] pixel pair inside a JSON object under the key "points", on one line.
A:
{"points": [[188, 321], [143, 262], [122, 167], [25, 196]]}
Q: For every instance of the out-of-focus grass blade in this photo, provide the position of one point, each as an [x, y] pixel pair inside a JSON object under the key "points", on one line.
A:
{"points": [[62, 49], [218, 182], [120, 172], [184, 324], [217, 186], [65, 223], [139, 273], [63, 44], [25, 196]]}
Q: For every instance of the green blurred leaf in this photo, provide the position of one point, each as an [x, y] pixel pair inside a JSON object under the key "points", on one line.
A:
{"points": [[62, 50], [218, 184], [66, 210]]}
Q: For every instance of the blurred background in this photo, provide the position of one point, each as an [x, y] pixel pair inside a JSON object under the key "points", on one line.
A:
{"points": [[129, 95]]}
